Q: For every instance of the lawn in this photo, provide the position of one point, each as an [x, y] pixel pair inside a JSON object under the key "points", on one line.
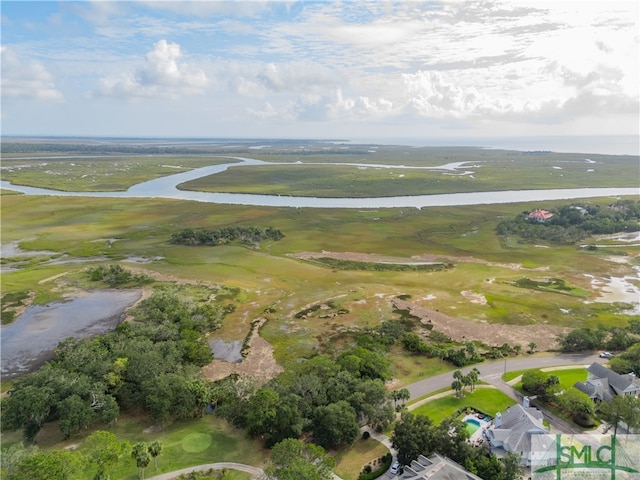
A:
{"points": [[349, 462], [567, 376], [486, 400], [185, 443]]}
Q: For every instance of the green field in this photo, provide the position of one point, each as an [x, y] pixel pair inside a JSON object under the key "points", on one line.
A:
{"points": [[486, 400], [523, 285]]}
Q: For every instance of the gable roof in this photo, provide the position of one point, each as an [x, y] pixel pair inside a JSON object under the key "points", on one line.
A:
{"points": [[436, 467], [596, 388], [619, 383], [516, 426]]}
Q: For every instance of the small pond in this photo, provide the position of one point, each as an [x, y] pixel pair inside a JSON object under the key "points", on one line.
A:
{"points": [[31, 339], [227, 351]]}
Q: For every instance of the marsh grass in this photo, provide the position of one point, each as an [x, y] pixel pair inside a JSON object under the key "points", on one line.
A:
{"points": [[105, 174], [483, 172]]}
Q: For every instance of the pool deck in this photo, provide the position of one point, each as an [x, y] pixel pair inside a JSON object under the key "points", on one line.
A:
{"points": [[477, 437]]}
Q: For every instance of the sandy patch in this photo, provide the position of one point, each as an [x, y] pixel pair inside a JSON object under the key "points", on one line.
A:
{"points": [[260, 364], [476, 298], [545, 336]]}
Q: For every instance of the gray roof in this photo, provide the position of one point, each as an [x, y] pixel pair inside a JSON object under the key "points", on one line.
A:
{"points": [[596, 388], [436, 467], [618, 383], [516, 427]]}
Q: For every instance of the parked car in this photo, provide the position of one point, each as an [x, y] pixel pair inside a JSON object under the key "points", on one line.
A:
{"points": [[606, 355], [394, 468]]}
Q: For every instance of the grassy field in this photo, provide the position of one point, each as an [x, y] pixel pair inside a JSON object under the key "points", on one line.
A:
{"points": [[121, 229], [184, 443], [567, 376], [489, 174], [486, 400], [105, 174], [61, 236]]}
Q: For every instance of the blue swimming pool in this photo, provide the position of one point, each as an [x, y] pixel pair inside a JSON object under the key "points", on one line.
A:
{"points": [[472, 425]]}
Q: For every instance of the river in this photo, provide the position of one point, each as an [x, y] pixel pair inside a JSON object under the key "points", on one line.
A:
{"points": [[166, 187]]}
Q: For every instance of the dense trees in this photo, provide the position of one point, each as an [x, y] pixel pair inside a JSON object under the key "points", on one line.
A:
{"points": [[294, 459], [152, 363], [319, 396], [117, 276], [226, 235], [587, 338], [574, 222]]}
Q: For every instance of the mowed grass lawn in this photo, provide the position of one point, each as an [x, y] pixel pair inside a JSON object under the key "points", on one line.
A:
{"points": [[487, 400], [568, 377], [185, 443], [349, 462]]}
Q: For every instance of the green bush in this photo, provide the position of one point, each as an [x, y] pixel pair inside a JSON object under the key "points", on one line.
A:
{"points": [[385, 465]]}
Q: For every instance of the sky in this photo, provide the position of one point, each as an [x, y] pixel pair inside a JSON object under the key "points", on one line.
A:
{"points": [[321, 69]]}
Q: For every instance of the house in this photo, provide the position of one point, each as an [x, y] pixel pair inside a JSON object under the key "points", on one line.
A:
{"points": [[540, 215], [512, 431], [436, 467], [603, 384]]}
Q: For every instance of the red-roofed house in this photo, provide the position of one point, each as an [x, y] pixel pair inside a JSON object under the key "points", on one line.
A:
{"points": [[540, 215]]}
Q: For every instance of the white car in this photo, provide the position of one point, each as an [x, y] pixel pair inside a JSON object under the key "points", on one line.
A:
{"points": [[394, 468], [606, 355]]}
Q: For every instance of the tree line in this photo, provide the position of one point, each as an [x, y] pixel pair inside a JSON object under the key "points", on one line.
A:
{"points": [[226, 235], [99, 454], [575, 222], [601, 337], [151, 363]]}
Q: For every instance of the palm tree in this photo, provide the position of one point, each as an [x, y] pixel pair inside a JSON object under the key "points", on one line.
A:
{"points": [[532, 346], [473, 377], [154, 450]]}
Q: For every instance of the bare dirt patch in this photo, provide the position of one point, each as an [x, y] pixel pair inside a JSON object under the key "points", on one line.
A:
{"points": [[259, 363], [545, 336]]}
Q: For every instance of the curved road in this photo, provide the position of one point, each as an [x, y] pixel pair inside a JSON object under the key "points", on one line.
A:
{"points": [[492, 372], [489, 372], [254, 471]]}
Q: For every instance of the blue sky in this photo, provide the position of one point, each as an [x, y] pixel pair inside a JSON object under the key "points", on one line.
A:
{"points": [[326, 69]]}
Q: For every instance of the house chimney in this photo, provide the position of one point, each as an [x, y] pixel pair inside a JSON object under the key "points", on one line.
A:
{"points": [[525, 402], [497, 422]]}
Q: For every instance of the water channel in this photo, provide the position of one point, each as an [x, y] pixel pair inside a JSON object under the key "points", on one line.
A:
{"points": [[31, 339], [166, 187]]}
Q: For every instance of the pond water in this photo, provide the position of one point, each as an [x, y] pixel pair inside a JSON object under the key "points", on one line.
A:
{"points": [[31, 339], [227, 351], [166, 187]]}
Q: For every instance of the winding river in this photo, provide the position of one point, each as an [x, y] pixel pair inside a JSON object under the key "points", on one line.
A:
{"points": [[166, 187]]}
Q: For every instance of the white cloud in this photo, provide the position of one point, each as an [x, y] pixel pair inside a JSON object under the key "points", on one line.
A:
{"points": [[161, 75], [26, 80]]}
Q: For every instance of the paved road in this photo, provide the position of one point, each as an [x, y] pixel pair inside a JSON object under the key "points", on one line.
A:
{"points": [[255, 472], [491, 372]]}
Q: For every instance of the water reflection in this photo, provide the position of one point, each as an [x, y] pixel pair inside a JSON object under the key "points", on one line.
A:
{"points": [[31, 340]]}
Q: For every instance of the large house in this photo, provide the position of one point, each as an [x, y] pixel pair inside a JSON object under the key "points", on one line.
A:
{"points": [[603, 384], [540, 215], [512, 431], [436, 467]]}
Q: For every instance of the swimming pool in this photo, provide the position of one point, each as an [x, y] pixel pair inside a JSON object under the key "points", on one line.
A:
{"points": [[472, 425]]}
